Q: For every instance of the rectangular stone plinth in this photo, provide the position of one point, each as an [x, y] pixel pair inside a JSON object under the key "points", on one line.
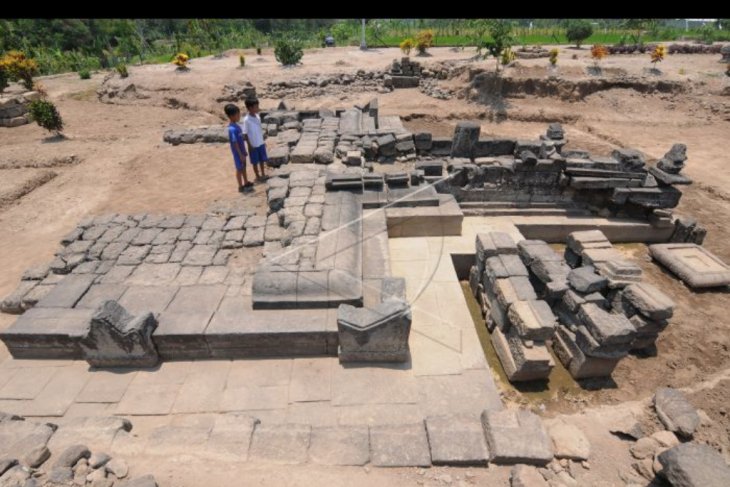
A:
{"points": [[694, 265]]}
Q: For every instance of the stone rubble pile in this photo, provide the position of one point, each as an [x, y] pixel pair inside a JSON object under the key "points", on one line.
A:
{"points": [[14, 108], [589, 305], [48, 455]]}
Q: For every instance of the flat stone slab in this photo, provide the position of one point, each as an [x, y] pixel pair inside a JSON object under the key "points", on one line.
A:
{"points": [[280, 443], [569, 441], [693, 465], [67, 292], [342, 445], [516, 436], [399, 446], [456, 440], [675, 411], [694, 265]]}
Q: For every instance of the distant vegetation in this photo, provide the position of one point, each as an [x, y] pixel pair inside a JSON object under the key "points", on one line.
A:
{"points": [[63, 45]]}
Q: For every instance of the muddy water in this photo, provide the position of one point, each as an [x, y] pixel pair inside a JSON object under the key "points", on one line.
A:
{"points": [[559, 386]]}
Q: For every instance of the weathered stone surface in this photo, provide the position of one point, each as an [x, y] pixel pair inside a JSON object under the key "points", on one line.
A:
{"points": [[534, 320], [286, 444], [343, 445], [117, 339], [60, 475], [516, 436], [98, 459], [13, 303], [520, 361], [254, 237], [117, 467], [693, 465], [649, 301], [144, 481], [36, 457], [377, 334], [675, 412], [673, 161], [6, 464], [606, 328], [644, 448], [399, 446], [68, 292], [569, 441], [200, 255], [585, 280], [456, 440], [466, 135], [526, 476], [71, 455], [694, 265]]}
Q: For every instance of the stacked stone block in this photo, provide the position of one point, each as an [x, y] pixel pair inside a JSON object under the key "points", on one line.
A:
{"points": [[519, 322], [606, 312]]}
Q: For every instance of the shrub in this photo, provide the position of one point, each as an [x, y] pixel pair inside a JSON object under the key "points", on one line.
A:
{"points": [[84, 73], [122, 70], [424, 40], [406, 45], [242, 60], [554, 56], [181, 61], [578, 31], [657, 55], [598, 52], [19, 68], [46, 115], [507, 56], [288, 51], [258, 51]]}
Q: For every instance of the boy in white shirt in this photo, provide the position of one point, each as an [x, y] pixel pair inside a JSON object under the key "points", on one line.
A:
{"points": [[254, 135]]}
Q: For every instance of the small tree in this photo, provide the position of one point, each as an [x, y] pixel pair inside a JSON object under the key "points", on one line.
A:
{"points": [[46, 115], [424, 40], [181, 61], [598, 52], [19, 68], [554, 56], [501, 33], [578, 31], [657, 55], [406, 45], [122, 70], [84, 73], [242, 61], [288, 51]]}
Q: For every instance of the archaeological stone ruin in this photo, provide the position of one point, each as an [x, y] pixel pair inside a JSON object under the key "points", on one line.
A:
{"points": [[310, 274]]}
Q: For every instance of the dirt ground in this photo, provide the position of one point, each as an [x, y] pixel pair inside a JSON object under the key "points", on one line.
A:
{"points": [[114, 160]]}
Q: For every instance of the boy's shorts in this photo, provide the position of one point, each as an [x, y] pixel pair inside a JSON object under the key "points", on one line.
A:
{"points": [[258, 154], [238, 163]]}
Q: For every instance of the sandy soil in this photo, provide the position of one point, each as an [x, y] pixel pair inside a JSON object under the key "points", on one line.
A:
{"points": [[114, 160]]}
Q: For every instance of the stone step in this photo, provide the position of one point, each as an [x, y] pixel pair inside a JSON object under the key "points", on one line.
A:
{"points": [[475, 211]]}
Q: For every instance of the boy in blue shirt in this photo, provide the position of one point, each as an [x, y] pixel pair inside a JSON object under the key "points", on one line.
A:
{"points": [[235, 137]]}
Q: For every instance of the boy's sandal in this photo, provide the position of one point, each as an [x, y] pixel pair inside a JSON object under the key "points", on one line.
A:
{"points": [[248, 185]]}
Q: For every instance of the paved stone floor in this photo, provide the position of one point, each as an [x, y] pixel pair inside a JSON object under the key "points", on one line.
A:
{"points": [[447, 373]]}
